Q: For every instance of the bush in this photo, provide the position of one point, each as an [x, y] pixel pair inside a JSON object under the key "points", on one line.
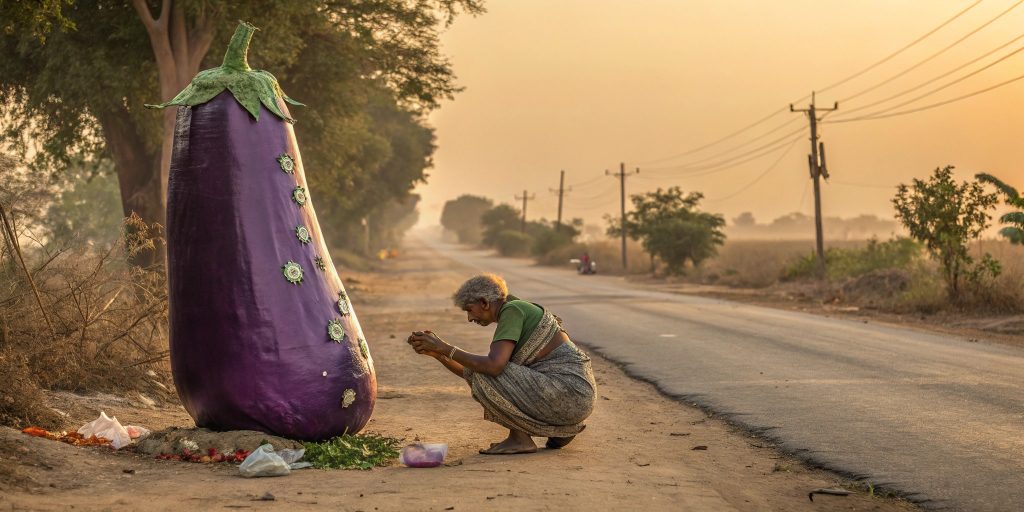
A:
{"points": [[547, 240], [102, 325], [513, 243], [945, 217], [898, 253]]}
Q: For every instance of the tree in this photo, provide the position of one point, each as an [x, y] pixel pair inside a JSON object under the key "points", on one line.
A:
{"points": [[745, 219], [1014, 231], [78, 77], [672, 228], [945, 216], [463, 216], [500, 218]]}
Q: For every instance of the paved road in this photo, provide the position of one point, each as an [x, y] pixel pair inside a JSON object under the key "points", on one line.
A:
{"points": [[934, 417]]}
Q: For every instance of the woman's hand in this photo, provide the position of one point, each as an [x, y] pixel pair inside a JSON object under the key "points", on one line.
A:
{"points": [[426, 342]]}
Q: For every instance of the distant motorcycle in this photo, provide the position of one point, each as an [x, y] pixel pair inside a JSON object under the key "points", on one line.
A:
{"points": [[583, 269]]}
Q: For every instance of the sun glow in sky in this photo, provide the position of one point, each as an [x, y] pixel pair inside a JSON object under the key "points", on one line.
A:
{"points": [[582, 85]]}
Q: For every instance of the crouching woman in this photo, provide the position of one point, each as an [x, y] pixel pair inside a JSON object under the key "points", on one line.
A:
{"points": [[533, 381]]}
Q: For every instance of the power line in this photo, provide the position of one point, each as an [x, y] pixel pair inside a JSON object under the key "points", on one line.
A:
{"points": [[932, 56], [695, 167], [587, 182], [730, 163], [739, 146], [601, 195], [928, 107], [942, 87], [758, 178], [897, 52], [944, 75], [758, 122], [723, 139]]}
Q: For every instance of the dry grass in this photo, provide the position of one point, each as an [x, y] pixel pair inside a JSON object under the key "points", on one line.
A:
{"points": [[916, 288], [102, 324], [756, 263]]}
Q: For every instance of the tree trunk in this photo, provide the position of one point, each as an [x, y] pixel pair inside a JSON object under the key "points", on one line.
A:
{"points": [[178, 50], [138, 176]]}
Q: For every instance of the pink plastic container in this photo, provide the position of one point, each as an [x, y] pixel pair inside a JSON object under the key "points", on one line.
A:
{"points": [[423, 455]]}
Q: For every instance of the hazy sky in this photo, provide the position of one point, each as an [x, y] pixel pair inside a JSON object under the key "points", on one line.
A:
{"points": [[582, 85]]}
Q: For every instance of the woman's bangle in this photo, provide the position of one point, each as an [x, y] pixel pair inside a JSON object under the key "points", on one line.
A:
{"points": [[451, 354]]}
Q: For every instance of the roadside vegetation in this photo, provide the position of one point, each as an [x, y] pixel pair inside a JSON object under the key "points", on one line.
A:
{"points": [[942, 266]]}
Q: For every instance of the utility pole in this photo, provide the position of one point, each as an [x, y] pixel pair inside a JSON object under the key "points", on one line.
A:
{"points": [[526, 197], [561, 192], [816, 163], [622, 209]]}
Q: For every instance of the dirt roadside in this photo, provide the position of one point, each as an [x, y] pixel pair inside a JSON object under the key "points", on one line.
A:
{"points": [[637, 452]]}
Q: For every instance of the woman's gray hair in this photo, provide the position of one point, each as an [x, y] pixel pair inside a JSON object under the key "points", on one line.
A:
{"points": [[489, 287]]}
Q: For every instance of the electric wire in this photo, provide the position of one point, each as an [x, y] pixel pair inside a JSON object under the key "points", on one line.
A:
{"points": [[740, 146], [759, 177], [930, 106], [944, 75], [901, 50], [587, 182], [760, 151], [758, 122], [937, 89], [932, 56], [720, 140]]}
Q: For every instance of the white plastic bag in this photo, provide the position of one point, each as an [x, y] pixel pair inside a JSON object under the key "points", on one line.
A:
{"points": [[108, 428], [292, 457], [264, 462]]}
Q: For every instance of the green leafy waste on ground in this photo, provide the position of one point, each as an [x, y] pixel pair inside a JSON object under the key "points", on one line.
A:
{"points": [[363, 451]]}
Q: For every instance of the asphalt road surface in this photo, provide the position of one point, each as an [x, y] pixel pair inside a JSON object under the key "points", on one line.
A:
{"points": [[936, 418]]}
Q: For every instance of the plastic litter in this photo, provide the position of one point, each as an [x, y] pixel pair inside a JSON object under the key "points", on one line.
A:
{"points": [[136, 432], [107, 428], [292, 457], [263, 461], [424, 455]]}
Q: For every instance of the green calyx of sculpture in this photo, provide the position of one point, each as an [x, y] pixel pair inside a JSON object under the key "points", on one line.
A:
{"points": [[250, 87]]}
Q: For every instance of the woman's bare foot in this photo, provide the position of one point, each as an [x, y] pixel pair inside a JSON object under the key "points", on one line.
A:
{"points": [[517, 442]]}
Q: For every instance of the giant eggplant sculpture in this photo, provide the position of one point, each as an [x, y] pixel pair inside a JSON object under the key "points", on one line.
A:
{"points": [[262, 335]]}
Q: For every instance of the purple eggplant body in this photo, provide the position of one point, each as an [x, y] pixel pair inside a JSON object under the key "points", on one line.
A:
{"points": [[250, 348]]}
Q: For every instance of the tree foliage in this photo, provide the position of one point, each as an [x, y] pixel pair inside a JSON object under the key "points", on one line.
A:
{"points": [[672, 228], [1014, 230], [463, 216], [76, 73], [945, 216], [502, 217]]}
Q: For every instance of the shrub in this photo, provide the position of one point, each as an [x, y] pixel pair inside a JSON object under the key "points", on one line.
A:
{"points": [[513, 243], [546, 238], [945, 217], [102, 324], [898, 253]]}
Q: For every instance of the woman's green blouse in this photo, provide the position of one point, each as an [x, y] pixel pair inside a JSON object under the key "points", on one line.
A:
{"points": [[517, 319]]}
